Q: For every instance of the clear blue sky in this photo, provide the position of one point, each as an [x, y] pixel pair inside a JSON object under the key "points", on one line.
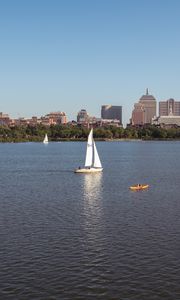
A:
{"points": [[72, 54]]}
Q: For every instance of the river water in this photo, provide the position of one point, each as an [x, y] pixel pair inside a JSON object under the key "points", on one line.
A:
{"points": [[76, 236]]}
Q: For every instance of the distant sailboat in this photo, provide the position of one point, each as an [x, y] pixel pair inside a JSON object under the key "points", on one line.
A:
{"points": [[45, 141], [92, 161]]}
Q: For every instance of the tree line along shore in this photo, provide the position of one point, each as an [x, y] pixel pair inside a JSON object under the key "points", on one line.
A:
{"points": [[69, 133]]}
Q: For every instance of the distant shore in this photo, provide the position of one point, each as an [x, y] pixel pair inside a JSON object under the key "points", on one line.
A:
{"points": [[66, 133], [85, 140]]}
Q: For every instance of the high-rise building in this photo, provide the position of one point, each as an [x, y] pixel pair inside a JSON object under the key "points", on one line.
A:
{"points": [[169, 107], [138, 114], [82, 116], [111, 112], [145, 111], [149, 104]]}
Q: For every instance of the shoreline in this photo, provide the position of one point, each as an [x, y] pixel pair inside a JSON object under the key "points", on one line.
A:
{"points": [[97, 140]]}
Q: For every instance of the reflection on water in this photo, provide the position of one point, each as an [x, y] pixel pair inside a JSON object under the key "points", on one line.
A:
{"points": [[92, 187], [64, 236], [92, 203]]}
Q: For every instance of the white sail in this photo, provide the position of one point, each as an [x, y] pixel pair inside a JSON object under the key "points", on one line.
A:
{"points": [[45, 139], [97, 162], [92, 162], [89, 150]]}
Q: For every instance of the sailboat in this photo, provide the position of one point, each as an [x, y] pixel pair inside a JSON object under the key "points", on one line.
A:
{"points": [[45, 141], [92, 161]]}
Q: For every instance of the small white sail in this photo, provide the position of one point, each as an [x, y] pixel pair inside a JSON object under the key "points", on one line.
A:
{"points": [[45, 139], [89, 150], [97, 162]]}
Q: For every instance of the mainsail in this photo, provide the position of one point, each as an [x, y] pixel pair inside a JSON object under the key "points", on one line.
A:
{"points": [[92, 157], [89, 150]]}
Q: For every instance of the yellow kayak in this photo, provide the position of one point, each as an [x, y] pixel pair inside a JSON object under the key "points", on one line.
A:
{"points": [[139, 187]]}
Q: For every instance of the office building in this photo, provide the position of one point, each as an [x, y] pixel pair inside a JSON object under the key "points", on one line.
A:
{"points": [[82, 117], [57, 117], [145, 110], [167, 121], [138, 114], [111, 112], [169, 107]]}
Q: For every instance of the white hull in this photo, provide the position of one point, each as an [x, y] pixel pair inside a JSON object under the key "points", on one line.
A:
{"points": [[88, 170]]}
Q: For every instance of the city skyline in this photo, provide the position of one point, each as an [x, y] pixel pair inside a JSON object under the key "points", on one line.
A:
{"points": [[73, 54], [160, 107]]}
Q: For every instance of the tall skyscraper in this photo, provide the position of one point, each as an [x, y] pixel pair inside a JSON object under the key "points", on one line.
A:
{"points": [[138, 114], [169, 107], [111, 112], [145, 111]]}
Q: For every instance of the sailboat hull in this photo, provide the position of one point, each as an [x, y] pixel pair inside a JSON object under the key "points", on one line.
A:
{"points": [[88, 170]]}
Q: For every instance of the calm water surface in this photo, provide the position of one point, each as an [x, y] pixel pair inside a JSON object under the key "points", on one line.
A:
{"points": [[77, 236]]}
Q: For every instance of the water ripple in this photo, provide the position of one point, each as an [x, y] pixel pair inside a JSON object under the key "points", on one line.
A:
{"points": [[64, 236]]}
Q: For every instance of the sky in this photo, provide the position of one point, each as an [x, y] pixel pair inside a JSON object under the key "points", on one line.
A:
{"points": [[67, 55]]}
